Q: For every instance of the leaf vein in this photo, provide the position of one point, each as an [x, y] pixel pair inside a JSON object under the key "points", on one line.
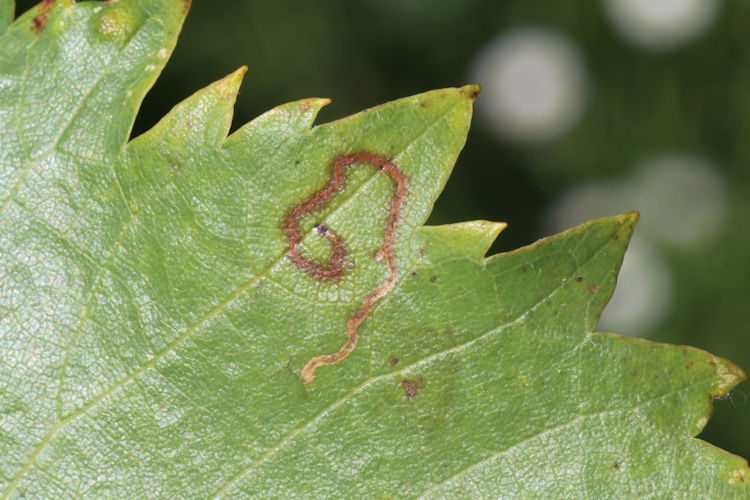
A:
{"points": [[62, 422], [339, 402], [573, 421]]}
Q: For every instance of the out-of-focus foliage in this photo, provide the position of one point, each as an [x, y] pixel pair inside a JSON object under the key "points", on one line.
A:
{"points": [[691, 100]]}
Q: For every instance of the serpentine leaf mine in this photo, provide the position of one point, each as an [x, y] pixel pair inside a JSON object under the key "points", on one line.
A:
{"points": [[334, 268]]}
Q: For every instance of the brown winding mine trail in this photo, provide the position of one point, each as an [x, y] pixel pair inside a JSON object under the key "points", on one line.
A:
{"points": [[334, 268]]}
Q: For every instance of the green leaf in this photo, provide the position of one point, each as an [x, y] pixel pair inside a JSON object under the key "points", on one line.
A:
{"points": [[153, 326], [6, 14]]}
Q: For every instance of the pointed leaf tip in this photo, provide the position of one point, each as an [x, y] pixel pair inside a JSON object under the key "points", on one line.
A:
{"points": [[472, 91], [462, 240], [314, 102], [229, 85]]}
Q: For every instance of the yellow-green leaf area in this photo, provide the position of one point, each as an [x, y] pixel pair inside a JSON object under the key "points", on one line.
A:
{"points": [[153, 325]]}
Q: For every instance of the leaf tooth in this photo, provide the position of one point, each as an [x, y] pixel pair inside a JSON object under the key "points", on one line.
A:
{"points": [[471, 90], [283, 121], [200, 121], [230, 84], [465, 239]]}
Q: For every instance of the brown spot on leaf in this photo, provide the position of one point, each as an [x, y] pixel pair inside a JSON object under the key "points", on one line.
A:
{"points": [[394, 361], [475, 90], [420, 254], [414, 272], [617, 237], [40, 22], [433, 278], [186, 6], [423, 104], [594, 287], [412, 387], [712, 362], [635, 372], [579, 279], [616, 465], [689, 365]]}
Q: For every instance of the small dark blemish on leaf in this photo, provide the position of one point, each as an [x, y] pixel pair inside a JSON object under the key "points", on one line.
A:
{"points": [[594, 287], [412, 387], [579, 279], [414, 272], [423, 104], [712, 362], [186, 6], [394, 361], [617, 236], [296, 162], [420, 254], [40, 22], [433, 278], [616, 465], [635, 372], [689, 365], [189, 125]]}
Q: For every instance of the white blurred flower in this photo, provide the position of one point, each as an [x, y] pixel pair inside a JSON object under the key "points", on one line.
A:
{"points": [[683, 200], [585, 202], [661, 24], [533, 85], [643, 296]]}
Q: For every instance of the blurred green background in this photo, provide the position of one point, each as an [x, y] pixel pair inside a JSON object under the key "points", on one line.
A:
{"points": [[589, 108]]}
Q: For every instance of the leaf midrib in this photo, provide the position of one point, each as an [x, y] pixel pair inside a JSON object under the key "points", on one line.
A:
{"points": [[371, 381], [62, 423]]}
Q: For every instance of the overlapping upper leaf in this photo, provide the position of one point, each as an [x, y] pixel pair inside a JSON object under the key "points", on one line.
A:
{"points": [[152, 327]]}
